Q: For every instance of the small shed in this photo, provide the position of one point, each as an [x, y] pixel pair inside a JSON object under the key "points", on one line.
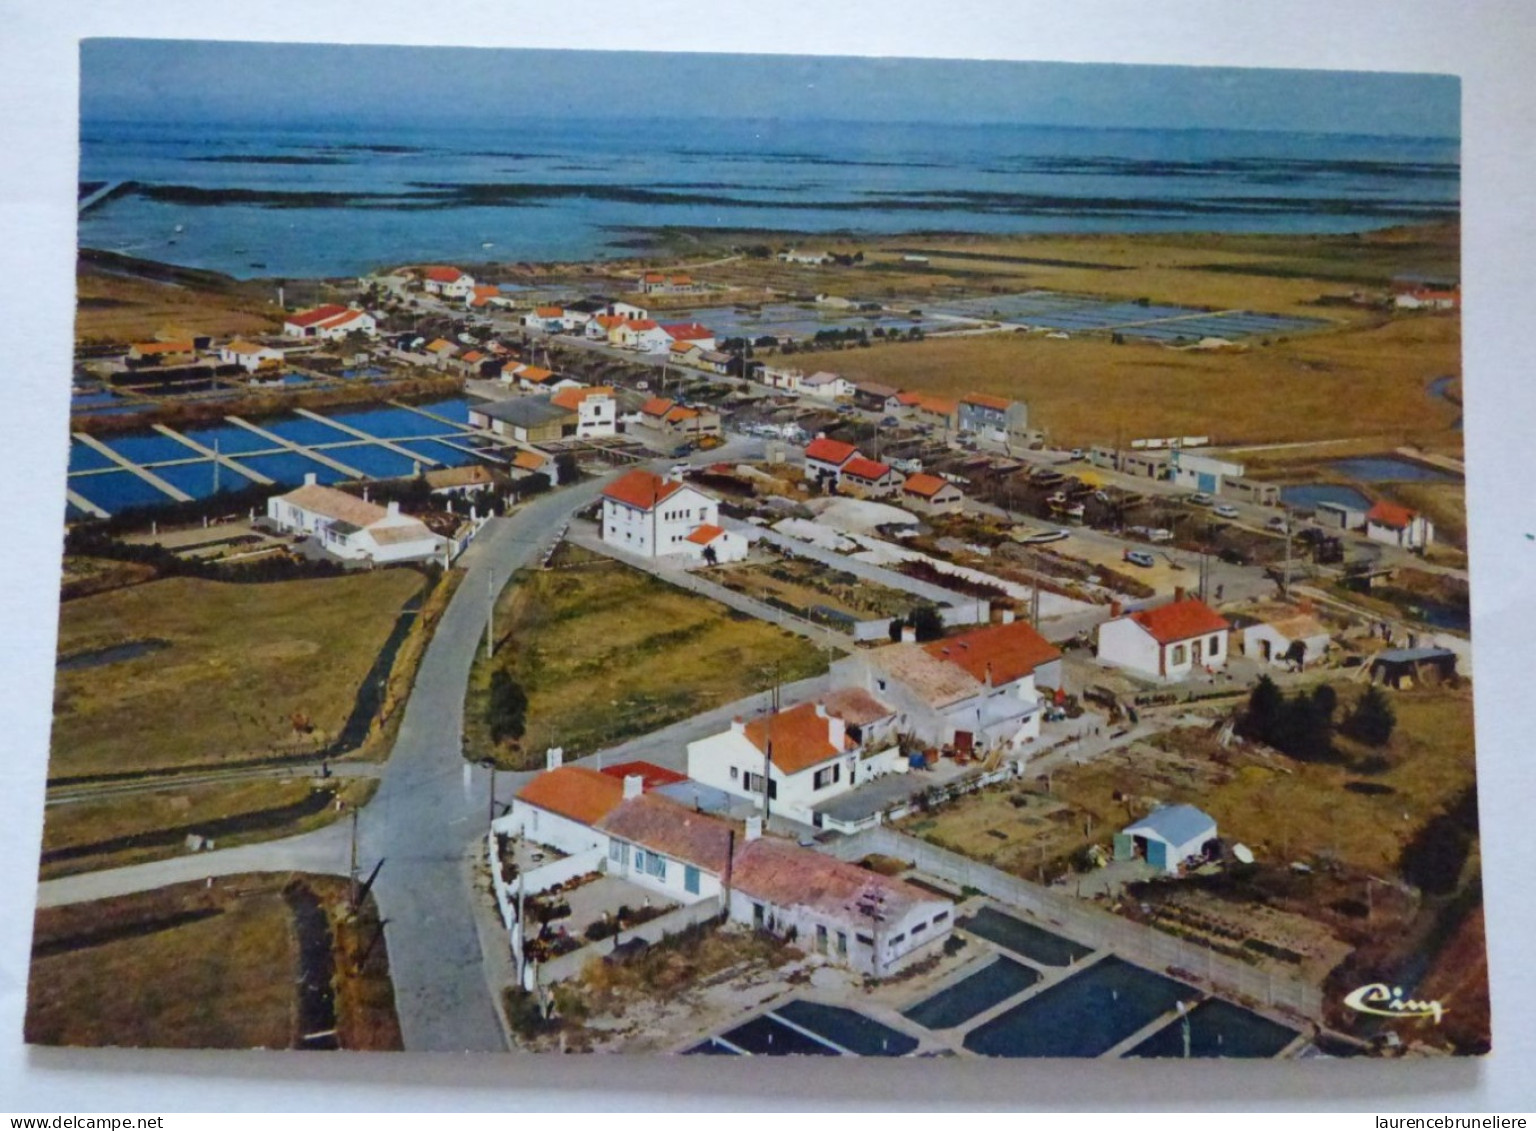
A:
{"points": [[1408, 667], [1271, 641], [1166, 837]]}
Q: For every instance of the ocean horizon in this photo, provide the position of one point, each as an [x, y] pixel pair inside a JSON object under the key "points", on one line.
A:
{"points": [[306, 200]]}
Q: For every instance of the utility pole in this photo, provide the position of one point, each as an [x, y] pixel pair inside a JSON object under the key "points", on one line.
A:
{"points": [[1034, 593], [493, 793], [490, 617], [352, 867]]}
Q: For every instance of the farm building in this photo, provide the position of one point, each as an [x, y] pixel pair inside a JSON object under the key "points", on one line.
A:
{"points": [[1271, 641], [449, 282], [1398, 526], [1403, 668], [596, 409], [1202, 473], [250, 356], [1166, 837], [353, 529], [825, 459], [528, 420], [1338, 516], [869, 479], [1169, 642], [656, 516], [928, 494], [995, 419]]}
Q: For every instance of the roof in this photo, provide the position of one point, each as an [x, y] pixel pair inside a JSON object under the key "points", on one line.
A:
{"points": [[683, 347], [824, 450], [442, 345], [861, 468], [641, 488], [639, 324], [800, 738], [526, 412], [240, 345], [529, 461], [548, 311], [925, 485], [656, 406], [934, 680], [1005, 651], [1390, 514], [1180, 620], [473, 355], [855, 706], [336, 505], [659, 824], [876, 389], [485, 290], [412, 530], [821, 378], [944, 406], [1412, 655], [1177, 824], [705, 534], [609, 321], [469, 475], [576, 792], [315, 314], [653, 277], [1297, 626], [442, 274], [681, 412], [786, 875], [532, 374], [652, 774], [575, 398], [688, 331], [342, 319], [986, 400]]}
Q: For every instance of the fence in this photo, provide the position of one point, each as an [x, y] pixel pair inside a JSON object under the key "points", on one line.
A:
{"points": [[1090, 925], [653, 931]]}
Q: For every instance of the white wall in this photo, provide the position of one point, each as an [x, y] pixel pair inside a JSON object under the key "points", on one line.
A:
{"points": [[1125, 644], [544, 827], [907, 940], [1278, 645], [623, 861]]}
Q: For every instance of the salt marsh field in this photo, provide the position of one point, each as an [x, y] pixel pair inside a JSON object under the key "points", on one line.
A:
{"points": [[135, 469]]}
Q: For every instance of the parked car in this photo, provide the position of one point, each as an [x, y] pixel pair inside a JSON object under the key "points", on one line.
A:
{"points": [[1076, 453], [1140, 558], [1278, 522], [1225, 510], [1234, 556], [1201, 499]]}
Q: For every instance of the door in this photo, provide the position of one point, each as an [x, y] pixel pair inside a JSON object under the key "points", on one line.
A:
{"points": [[1195, 652], [965, 741]]}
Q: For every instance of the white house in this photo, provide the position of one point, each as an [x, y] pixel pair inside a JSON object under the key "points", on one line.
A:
{"points": [[1271, 641], [249, 355], [657, 843], [654, 516], [1169, 642], [825, 459], [802, 756], [596, 409], [1166, 837], [869, 479], [561, 807], [690, 333], [329, 321], [1398, 526], [812, 258], [352, 529], [975, 692], [928, 494], [789, 380], [449, 282], [640, 334], [828, 386], [351, 322]]}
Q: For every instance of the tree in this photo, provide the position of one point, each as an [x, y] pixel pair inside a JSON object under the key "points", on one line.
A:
{"points": [[1326, 699], [507, 709], [927, 623], [567, 472], [1264, 706], [710, 556], [1372, 720], [897, 624]]}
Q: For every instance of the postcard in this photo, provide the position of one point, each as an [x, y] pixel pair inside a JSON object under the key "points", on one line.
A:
{"points": [[741, 555]]}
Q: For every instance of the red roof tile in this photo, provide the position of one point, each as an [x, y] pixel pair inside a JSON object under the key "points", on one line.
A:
{"points": [[316, 314], [688, 331], [778, 872], [704, 535], [576, 792], [924, 485], [1180, 620], [653, 774], [1390, 514], [800, 738], [830, 451], [659, 824], [443, 274], [640, 488], [986, 400], [1005, 651], [861, 468], [575, 398], [656, 406]]}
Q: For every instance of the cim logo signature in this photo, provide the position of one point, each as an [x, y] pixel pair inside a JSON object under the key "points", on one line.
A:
{"points": [[1382, 1000]]}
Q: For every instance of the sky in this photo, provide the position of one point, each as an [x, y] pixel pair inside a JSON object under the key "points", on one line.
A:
{"points": [[210, 81]]}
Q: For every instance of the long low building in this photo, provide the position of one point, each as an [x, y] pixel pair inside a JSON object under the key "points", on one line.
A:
{"points": [[354, 529], [853, 917]]}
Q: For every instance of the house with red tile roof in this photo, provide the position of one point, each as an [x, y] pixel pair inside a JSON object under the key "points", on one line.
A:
{"points": [[869, 479], [803, 756], [1398, 526], [825, 460], [483, 295], [691, 333], [658, 516], [449, 282], [977, 691], [329, 321], [1183, 638], [929, 494], [641, 334], [930, 409], [995, 419], [560, 807]]}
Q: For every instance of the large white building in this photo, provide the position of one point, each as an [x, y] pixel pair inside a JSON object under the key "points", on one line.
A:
{"points": [[654, 516], [825, 459], [250, 356], [596, 409], [803, 756], [353, 529], [976, 692], [1169, 642], [331, 321], [449, 282]]}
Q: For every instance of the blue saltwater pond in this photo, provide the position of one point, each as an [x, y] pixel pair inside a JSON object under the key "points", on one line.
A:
{"points": [[290, 468], [196, 479], [116, 490]]}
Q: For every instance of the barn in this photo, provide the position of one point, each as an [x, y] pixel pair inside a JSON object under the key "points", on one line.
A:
{"points": [[1166, 837]]}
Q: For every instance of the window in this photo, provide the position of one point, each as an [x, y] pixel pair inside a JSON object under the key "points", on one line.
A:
{"points": [[920, 928], [1176, 654], [656, 865], [940, 917], [865, 939], [690, 879], [639, 859], [842, 944], [613, 850], [880, 683], [829, 776], [758, 917], [735, 773], [1215, 646], [821, 938], [901, 938]]}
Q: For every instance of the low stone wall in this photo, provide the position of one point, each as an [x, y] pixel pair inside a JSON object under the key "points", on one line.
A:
{"points": [[569, 965]]}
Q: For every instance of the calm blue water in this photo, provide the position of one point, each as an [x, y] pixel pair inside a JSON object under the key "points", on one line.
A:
{"points": [[393, 423], [150, 447], [115, 490], [1308, 495], [373, 461], [289, 468], [1386, 469], [559, 189], [444, 453], [230, 439], [197, 479], [973, 994], [82, 458], [1218, 1028], [302, 430]]}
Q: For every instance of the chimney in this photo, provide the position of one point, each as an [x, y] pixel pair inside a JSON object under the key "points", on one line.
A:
{"points": [[1178, 592], [738, 725], [908, 634], [1007, 616], [837, 732], [309, 479], [821, 709], [554, 757], [634, 786], [393, 508], [754, 829]]}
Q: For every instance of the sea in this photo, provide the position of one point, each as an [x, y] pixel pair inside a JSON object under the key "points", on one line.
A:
{"points": [[334, 200]]}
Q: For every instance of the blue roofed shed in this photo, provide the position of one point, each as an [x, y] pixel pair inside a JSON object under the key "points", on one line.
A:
{"points": [[1166, 837]]}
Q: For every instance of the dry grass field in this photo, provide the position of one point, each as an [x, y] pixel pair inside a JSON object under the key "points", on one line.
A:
{"points": [[201, 966], [115, 306], [1366, 381], [241, 660], [606, 652]]}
